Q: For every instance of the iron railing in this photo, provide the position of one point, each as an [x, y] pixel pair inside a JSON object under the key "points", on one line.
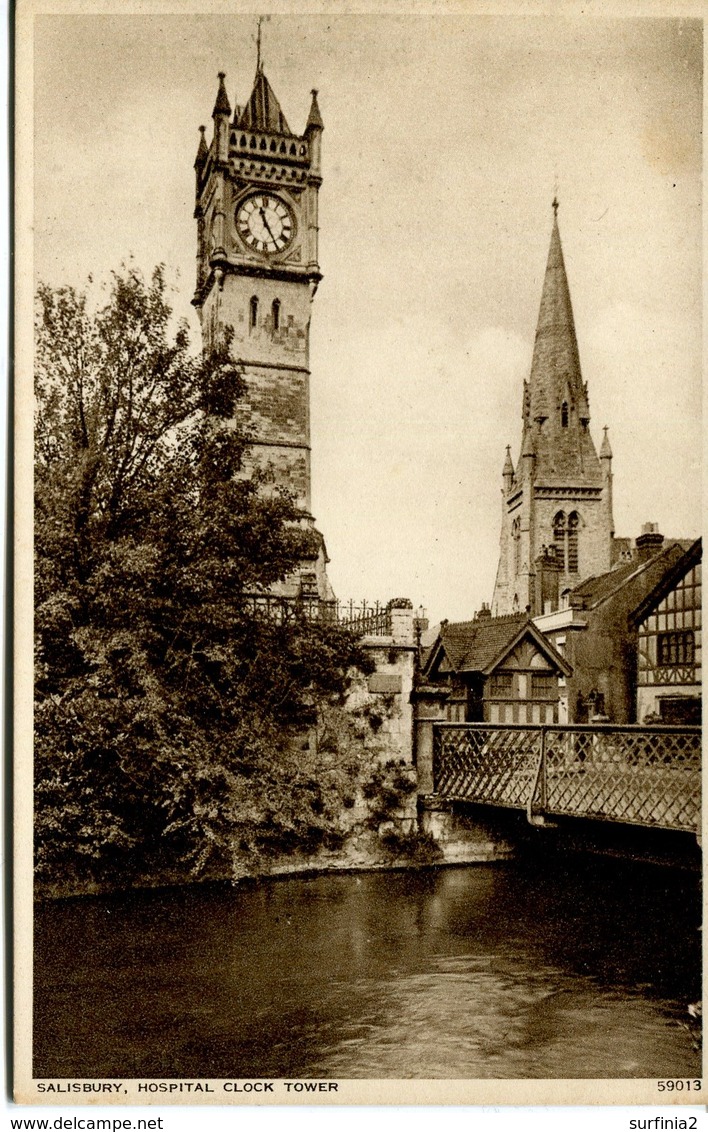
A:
{"points": [[367, 620], [648, 776], [283, 609]]}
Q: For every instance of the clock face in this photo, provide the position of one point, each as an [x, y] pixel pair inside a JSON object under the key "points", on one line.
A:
{"points": [[265, 223]]}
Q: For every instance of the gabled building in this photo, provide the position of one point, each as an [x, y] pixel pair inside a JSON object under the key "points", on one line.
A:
{"points": [[669, 639], [496, 670], [560, 492], [593, 625]]}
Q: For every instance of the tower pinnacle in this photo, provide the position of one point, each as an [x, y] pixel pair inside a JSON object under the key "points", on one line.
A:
{"points": [[222, 104], [314, 120], [202, 151]]}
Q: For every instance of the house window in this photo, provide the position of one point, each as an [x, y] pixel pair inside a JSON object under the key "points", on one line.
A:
{"points": [[253, 316], [276, 314], [501, 685], [543, 685], [674, 649]]}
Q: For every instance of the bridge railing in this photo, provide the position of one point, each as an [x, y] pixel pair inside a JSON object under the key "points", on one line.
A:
{"points": [[648, 776]]}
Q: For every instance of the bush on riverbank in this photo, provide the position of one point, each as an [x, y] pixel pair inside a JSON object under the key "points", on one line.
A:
{"points": [[174, 728]]}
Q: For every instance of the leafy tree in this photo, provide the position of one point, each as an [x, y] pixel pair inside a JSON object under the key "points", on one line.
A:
{"points": [[171, 723]]}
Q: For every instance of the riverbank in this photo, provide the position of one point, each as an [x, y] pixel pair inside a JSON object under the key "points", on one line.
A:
{"points": [[434, 839], [390, 850]]}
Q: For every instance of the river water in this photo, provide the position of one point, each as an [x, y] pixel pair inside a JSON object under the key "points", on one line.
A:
{"points": [[553, 969]]}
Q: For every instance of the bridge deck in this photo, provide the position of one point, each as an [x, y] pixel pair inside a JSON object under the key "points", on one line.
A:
{"points": [[647, 776]]}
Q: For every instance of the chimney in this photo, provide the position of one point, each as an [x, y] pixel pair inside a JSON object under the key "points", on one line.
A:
{"points": [[649, 542], [483, 613]]}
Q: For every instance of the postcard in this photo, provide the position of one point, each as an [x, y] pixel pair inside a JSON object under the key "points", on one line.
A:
{"points": [[358, 554]]}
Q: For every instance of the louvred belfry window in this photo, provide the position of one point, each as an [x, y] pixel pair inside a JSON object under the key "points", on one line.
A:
{"points": [[565, 537], [573, 524]]}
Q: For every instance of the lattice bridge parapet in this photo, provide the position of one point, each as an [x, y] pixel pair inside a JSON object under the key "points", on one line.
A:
{"points": [[649, 776]]}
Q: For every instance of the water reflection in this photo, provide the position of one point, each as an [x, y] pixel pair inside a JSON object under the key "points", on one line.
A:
{"points": [[580, 970]]}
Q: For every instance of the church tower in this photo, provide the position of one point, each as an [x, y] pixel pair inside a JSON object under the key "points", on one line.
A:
{"points": [[557, 525], [257, 184]]}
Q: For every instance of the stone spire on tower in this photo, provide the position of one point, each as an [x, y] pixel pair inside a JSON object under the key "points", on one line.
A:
{"points": [[556, 410], [560, 494]]}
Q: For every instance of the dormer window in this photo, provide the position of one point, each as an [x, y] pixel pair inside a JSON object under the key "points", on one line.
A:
{"points": [[564, 414]]}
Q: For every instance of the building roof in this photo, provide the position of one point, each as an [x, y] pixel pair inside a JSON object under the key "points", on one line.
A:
{"points": [[690, 558], [600, 587], [262, 111], [481, 645]]}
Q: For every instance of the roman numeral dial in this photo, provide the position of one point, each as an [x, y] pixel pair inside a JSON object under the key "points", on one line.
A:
{"points": [[265, 223]]}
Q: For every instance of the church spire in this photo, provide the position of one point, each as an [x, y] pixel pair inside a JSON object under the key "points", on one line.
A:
{"points": [[556, 403], [555, 362]]}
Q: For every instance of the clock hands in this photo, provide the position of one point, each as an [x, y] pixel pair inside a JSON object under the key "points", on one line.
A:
{"points": [[264, 218]]}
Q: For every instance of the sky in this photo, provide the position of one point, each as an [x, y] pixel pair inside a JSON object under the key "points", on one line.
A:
{"points": [[445, 139]]}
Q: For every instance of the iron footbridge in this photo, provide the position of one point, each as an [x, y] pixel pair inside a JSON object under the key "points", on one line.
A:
{"points": [[647, 776]]}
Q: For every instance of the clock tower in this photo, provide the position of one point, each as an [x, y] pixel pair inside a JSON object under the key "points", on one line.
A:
{"points": [[257, 272]]}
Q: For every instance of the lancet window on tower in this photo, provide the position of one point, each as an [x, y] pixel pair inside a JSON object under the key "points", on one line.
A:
{"points": [[276, 314], [253, 312], [565, 537], [564, 414], [572, 548]]}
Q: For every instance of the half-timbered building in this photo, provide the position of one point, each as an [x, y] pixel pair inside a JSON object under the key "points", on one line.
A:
{"points": [[497, 670], [668, 624]]}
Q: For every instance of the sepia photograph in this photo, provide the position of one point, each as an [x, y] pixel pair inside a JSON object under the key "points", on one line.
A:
{"points": [[358, 555]]}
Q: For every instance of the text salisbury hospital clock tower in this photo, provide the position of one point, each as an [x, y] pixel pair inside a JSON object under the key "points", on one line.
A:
{"points": [[257, 269]]}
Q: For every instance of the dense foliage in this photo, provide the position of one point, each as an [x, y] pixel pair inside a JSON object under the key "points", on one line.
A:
{"points": [[174, 729]]}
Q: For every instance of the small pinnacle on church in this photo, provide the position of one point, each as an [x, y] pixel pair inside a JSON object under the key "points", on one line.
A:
{"points": [[605, 450]]}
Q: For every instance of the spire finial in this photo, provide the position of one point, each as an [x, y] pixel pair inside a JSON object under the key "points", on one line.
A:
{"points": [[555, 204], [259, 64]]}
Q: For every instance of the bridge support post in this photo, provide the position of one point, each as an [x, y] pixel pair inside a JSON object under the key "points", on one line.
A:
{"points": [[428, 708]]}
